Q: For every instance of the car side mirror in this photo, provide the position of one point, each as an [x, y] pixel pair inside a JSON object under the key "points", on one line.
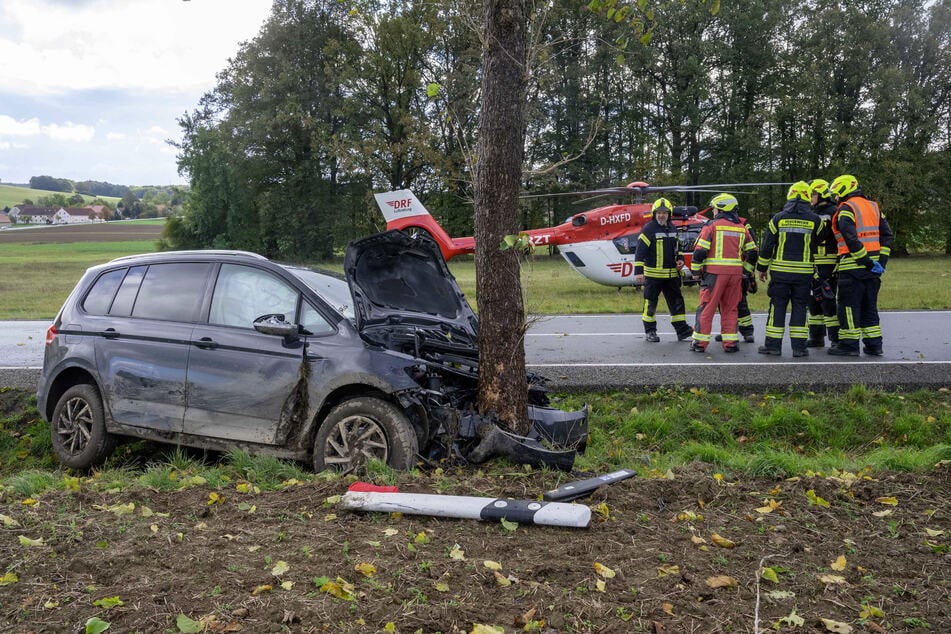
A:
{"points": [[275, 324]]}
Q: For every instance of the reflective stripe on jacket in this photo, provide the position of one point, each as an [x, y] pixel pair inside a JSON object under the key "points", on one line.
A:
{"points": [[862, 235], [725, 247]]}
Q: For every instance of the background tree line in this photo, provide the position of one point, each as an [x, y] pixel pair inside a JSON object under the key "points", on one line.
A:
{"points": [[333, 100]]}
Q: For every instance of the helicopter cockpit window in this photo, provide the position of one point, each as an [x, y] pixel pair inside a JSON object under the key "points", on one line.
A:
{"points": [[626, 244], [578, 220]]}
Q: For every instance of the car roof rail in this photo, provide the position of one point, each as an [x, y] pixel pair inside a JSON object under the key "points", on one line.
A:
{"points": [[214, 252]]}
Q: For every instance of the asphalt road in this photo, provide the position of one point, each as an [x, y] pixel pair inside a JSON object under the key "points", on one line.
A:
{"points": [[597, 352]]}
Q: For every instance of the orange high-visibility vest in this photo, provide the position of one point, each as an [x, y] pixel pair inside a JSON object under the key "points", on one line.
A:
{"points": [[867, 221]]}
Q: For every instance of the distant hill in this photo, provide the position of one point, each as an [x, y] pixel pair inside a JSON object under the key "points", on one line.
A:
{"points": [[11, 195]]}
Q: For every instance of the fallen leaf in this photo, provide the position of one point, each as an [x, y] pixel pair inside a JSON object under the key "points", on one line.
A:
{"points": [[769, 574], [8, 521], [832, 579], [839, 563], [262, 588], [696, 539], [933, 532], [604, 571], [668, 608], [441, 586], [187, 626], [107, 603], [508, 526], [793, 619], [365, 569], [836, 626], [8, 579], [287, 585], [600, 585], [663, 571], [501, 579], [492, 565], [389, 532], [26, 541], [890, 501], [339, 588], [815, 499], [95, 625], [29, 502], [478, 628], [722, 542], [421, 538], [769, 506], [871, 612], [884, 513], [457, 553], [781, 595], [689, 516], [722, 581], [280, 567], [214, 498], [603, 510]]}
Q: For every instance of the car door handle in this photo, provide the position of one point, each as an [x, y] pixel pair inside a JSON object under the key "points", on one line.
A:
{"points": [[206, 343], [110, 333]]}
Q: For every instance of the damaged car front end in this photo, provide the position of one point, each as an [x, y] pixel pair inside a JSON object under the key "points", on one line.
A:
{"points": [[407, 301]]}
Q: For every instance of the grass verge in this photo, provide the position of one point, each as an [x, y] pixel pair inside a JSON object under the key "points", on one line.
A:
{"points": [[767, 434]]}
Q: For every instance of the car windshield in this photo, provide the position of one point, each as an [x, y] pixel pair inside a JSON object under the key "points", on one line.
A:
{"points": [[331, 288]]}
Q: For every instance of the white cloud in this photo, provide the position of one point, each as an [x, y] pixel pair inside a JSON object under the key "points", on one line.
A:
{"points": [[11, 127], [146, 45], [67, 131], [70, 131], [115, 136], [4, 145]]}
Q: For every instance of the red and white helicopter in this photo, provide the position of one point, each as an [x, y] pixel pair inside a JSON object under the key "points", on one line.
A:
{"points": [[599, 243]]}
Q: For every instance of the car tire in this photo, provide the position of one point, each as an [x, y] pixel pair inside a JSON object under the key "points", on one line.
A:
{"points": [[364, 428], [78, 428]]}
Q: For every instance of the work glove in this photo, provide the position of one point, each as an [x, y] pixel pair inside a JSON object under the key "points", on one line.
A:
{"points": [[877, 269]]}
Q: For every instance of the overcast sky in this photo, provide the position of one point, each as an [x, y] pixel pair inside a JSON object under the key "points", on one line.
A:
{"points": [[91, 89]]}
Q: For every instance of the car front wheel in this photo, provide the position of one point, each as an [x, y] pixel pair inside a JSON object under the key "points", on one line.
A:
{"points": [[78, 428], [362, 429]]}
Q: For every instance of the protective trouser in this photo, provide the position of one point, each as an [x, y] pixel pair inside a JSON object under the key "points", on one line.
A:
{"points": [[858, 310], [670, 287], [718, 292], [783, 289], [823, 316], [744, 318]]}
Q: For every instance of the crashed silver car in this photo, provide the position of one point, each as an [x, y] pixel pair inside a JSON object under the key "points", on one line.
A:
{"points": [[227, 349]]}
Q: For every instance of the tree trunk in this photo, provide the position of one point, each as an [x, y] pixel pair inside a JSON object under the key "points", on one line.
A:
{"points": [[502, 377]]}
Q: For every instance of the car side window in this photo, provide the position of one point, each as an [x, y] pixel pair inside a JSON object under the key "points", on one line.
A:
{"points": [[172, 292], [313, 323], [99, 298], [125, 298], [244, 293]]}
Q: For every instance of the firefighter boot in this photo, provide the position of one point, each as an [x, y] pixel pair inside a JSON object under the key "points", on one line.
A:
{"points": [[651, 336], [773, 346], [838, 350], [696, 346], [799, 348], [816, 336], [747, 333], [873, 349], [684, 332]]}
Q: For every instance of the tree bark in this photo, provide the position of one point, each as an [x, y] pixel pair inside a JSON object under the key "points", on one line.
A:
{"points": [[503, 387]]}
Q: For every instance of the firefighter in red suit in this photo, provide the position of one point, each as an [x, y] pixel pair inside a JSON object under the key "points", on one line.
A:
{"points": [[724, 250]]}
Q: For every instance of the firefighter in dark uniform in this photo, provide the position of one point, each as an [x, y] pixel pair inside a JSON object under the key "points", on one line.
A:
{"points": [[864, 242], [823, 319], [787, 252], [657, 265]]}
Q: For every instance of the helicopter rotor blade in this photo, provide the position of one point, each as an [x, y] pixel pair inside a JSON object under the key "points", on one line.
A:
{"points": [[719, 185]]}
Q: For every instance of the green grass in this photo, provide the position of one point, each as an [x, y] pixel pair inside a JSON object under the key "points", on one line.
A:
{"points": [[36, 278], [775, 435], [11, 196]]}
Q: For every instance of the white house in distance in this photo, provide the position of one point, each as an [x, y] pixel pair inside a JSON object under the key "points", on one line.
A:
{"points": [[29, 214]]}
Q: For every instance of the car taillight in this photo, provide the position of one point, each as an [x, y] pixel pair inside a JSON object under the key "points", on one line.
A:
{"points": [[50, 334]]}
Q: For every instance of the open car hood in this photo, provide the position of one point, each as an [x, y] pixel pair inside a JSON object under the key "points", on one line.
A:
{"points": [[405, 298]]}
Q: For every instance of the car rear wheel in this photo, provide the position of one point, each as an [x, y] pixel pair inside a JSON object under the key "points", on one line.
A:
{"points": [[362, 429], [78, 428]]}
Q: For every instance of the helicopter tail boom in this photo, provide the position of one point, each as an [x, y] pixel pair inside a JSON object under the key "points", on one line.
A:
{"points": [[402, 210]]}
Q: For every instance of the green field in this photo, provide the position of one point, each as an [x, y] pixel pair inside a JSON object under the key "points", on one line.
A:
{"points": [[38, 277], [10, 195]]}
